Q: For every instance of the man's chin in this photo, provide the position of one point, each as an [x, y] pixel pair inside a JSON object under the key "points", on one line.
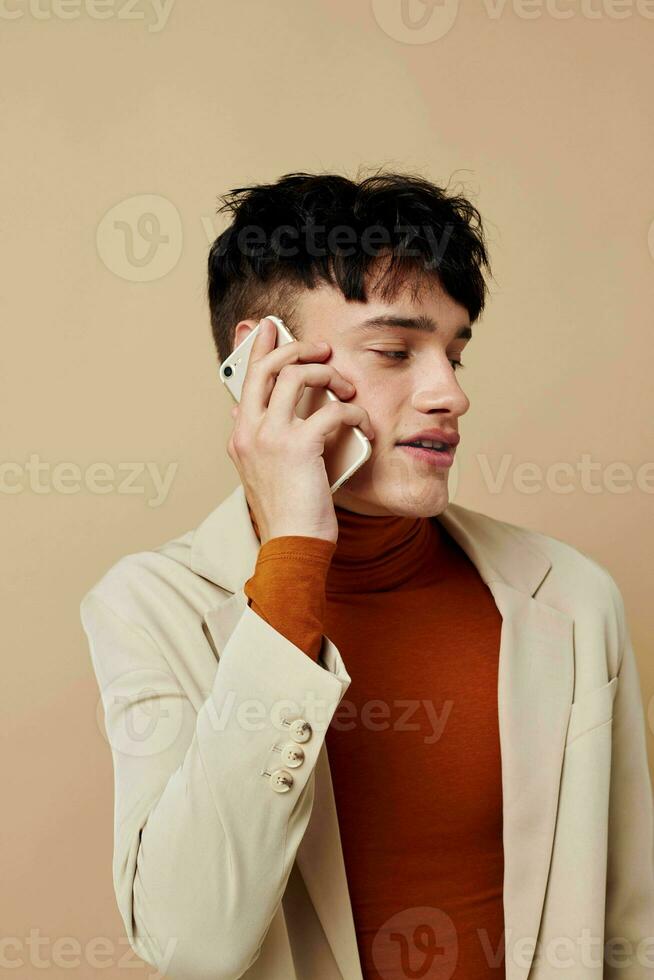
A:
{"points": [[427, 506], [413, 499]]}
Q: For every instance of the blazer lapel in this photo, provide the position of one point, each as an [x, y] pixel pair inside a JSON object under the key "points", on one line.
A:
{"points": [[535, 685]]}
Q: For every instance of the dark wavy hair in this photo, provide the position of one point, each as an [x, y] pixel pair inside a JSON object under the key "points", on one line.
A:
{"points": [[308, 229]]}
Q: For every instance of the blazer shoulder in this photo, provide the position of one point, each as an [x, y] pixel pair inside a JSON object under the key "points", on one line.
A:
{"points": [[143, 583], [573, 570], [575, 566]]}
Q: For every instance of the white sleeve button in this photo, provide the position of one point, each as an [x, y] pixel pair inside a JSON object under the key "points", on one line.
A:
{"points": [[281, 781], [292, 755], [299, 730]]}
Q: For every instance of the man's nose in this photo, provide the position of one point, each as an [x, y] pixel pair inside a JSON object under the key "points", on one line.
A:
{"points": [[441, 392]]}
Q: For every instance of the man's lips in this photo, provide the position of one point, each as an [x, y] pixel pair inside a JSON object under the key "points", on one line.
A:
{"points": [[451, 439], [435, 457]]}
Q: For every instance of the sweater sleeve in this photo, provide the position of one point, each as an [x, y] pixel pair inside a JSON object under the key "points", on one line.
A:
{"points": [[288, 588]]}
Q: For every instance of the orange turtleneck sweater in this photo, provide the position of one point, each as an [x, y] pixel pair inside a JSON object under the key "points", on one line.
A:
{"points": [[413, 747]]}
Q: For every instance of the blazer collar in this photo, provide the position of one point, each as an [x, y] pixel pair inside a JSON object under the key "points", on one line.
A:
{"points": [[535, 683], [225, 547]]}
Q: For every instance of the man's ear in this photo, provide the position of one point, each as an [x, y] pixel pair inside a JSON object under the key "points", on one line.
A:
{"points": [[242, 329]]}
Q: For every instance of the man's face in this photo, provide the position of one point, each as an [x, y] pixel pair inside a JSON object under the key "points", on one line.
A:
{"points": [[405, 379]]}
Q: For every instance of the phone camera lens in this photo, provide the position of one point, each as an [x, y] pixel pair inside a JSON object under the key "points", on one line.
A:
{"points": [[228, 371]]}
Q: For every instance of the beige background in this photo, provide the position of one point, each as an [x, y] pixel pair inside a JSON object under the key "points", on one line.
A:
{"points": [[544, 119]]}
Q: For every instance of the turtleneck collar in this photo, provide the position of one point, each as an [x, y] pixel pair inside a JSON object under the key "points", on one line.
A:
{"points": [[377, 554]]}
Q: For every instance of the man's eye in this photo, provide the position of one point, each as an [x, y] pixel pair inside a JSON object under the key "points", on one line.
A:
{"points": [[398, 354], [402, 355]]}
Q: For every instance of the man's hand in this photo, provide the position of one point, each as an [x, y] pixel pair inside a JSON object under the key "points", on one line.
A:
{"points": [[279, 456]]}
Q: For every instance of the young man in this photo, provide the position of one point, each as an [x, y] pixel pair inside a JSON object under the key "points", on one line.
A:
{"points": [[479, 805]]}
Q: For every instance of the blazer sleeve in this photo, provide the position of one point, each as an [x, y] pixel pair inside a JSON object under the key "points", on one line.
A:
{"points": [[629, 920], [203, 846]]}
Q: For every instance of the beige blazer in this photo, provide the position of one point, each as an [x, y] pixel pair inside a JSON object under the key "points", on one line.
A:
{"points": [[221, 871]]}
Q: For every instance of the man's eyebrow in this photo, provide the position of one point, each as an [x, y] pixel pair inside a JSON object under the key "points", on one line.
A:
{"points": [[421, 322]]}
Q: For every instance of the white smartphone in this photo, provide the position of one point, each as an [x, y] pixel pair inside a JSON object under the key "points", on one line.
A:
{"points": [[345, 450]]}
